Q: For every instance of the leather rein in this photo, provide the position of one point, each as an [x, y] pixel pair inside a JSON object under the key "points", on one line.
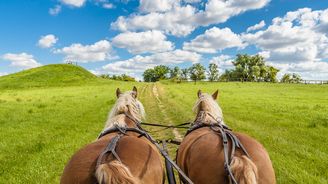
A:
{"points": [[226, 133], [122, 131]]}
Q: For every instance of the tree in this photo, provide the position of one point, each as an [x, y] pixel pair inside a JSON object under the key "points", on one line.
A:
{"points": [[175, 73], [105, 76], [296, 78], [122, 77], [271, 74], [161, 72], [213, 72], [155, 74], [185, 74], [149, 75], [251, 68], [197, 72], [285, 78], [291, 78]]}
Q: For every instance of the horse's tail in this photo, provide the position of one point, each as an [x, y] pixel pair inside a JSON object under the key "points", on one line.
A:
{"points": [[115, 172], [244, 170]]}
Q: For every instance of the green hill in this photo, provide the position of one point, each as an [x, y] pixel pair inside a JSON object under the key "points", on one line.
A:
{"points": [[49, 75]]}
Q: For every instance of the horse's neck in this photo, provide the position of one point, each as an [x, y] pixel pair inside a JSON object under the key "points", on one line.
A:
{"points": [[121, 120], [207, 117], [130, 123]]}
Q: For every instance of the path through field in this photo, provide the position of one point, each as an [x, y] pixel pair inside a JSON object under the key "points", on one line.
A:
{"points": [[167, 119]]}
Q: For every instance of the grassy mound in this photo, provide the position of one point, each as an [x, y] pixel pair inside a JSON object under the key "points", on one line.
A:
{"points": [[49, 75]]}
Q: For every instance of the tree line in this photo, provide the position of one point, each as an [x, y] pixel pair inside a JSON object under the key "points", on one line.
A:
{"points": [[246, 68], [122, 77]]}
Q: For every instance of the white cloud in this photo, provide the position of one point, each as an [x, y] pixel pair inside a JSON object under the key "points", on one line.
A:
{"points": [[22, 60], [308, 70], [3, 73], [108, 6], [181, 20], [47, 41], [75, 3], [214, 40], [99, 51], [256, 26], [192, 1], [172, 22], [55, 10], [143, 42], [140, 63], [224, 62], [292, 38], [147, 6], [295, 42]]}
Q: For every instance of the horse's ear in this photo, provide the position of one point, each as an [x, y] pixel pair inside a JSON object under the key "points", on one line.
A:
{"points": [[135, 91], [118, 92], [199, 93], [215, 94]]}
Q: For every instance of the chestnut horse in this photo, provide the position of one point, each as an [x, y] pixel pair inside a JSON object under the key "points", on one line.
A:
{"points": [[201, 154], [136, 160]]}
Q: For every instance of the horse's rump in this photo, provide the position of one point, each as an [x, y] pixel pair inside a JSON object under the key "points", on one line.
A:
{"points": [[201, 156], [137, 154]]}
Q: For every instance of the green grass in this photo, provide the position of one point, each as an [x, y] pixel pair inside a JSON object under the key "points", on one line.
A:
{"points": [[41, 127], [291, 121], [49, 75]]}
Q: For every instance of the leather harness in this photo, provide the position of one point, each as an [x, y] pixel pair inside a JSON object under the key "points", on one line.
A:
{"points": [[226, 133], [111, 147]]}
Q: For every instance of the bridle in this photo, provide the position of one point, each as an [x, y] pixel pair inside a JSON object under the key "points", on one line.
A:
{"points": [[226, 133]]}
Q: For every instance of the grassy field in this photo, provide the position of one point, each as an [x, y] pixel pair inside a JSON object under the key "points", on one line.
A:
{"points": [[42, 125]]}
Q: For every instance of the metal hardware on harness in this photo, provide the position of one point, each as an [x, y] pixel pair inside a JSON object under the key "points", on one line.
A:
{"points": [[226, 133]]}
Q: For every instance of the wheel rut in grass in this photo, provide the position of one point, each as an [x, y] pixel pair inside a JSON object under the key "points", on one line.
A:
{"points": [[176, 133]]}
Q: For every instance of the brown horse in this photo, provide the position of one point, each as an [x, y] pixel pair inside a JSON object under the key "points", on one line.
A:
{"points": [[201, 154], [138, 159]]}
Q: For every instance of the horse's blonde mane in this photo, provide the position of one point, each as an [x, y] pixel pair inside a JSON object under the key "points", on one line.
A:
{"points": [[208, 105], [125, 103]]}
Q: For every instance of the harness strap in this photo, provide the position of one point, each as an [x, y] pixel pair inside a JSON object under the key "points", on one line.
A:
{"points": [[226, 155], [142, 132], [110, 149], [226, 133]]}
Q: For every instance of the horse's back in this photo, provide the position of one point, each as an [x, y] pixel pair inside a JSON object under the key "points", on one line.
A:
{"points": [[201, 156], [138, 154]]}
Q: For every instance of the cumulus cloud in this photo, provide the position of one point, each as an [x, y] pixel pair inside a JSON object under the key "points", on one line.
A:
{"points": [[256, 26], [22, 60], [147, 6], [74, 3], [181, 19], [143, 42], [295, 42], [139, 63], [308, 70], [214, 40], [55, 10], [47, 41], [99, 51]]}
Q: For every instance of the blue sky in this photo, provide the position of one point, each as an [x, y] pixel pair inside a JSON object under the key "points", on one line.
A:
{"points": [[129, 36]]}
